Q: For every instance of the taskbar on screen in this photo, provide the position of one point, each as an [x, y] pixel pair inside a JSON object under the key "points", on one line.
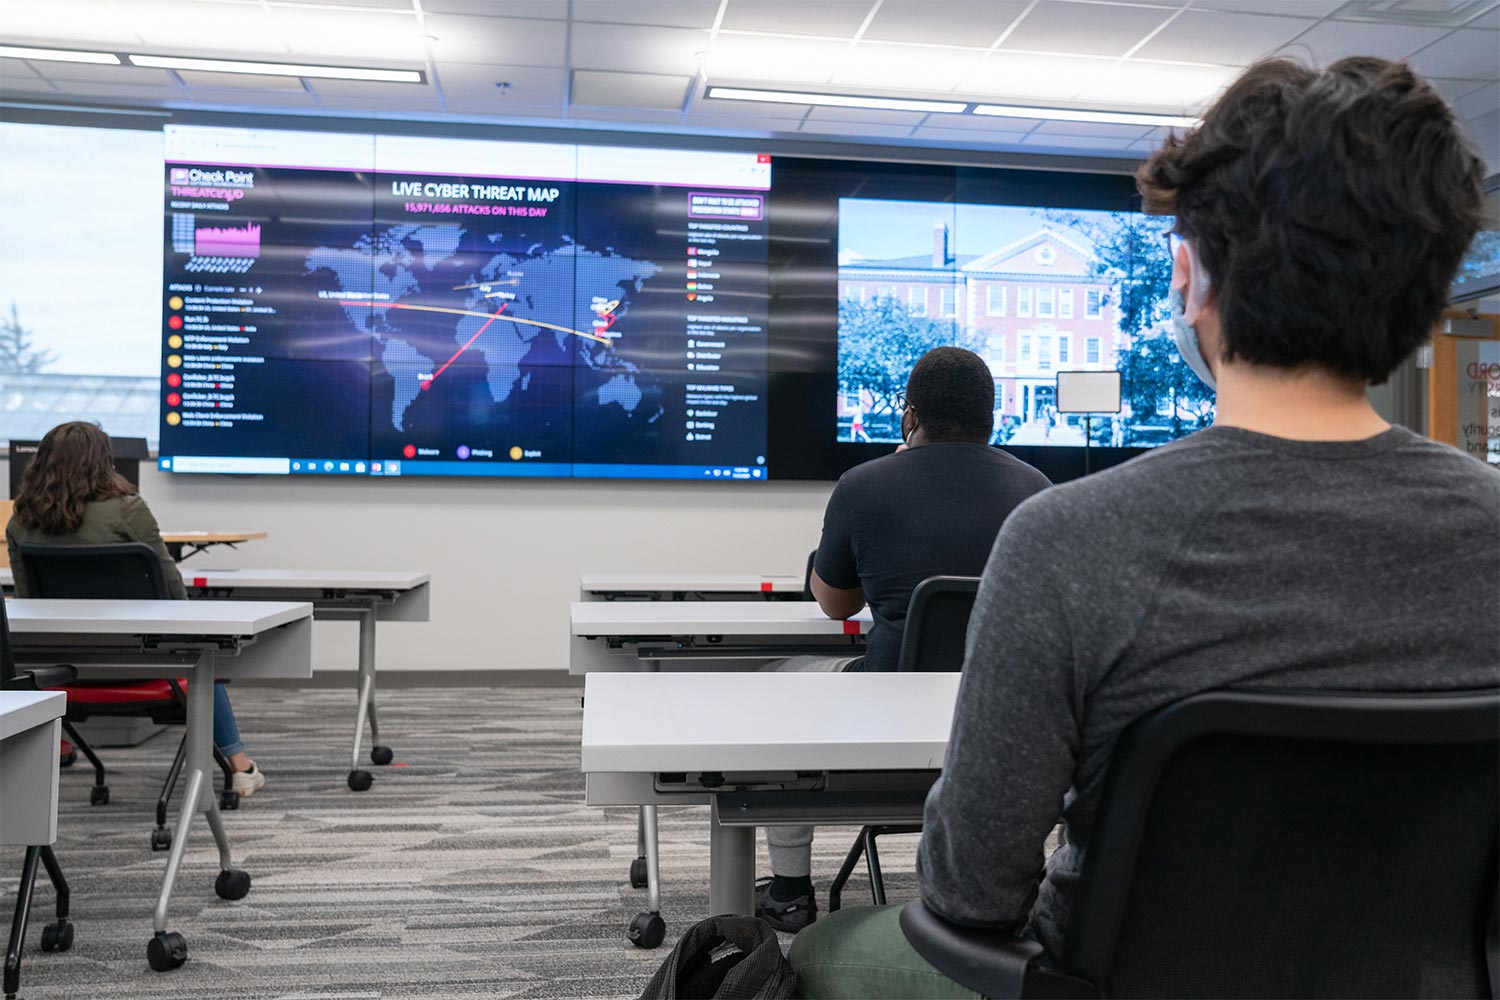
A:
{"points": [[242, 465]]}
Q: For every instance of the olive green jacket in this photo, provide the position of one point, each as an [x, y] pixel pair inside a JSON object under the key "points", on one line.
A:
{"points": [[119, 519]]}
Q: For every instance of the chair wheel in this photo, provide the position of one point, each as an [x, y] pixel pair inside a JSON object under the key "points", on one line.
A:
{"points": [[99, 795], [647, 930], [166, 951], [360, 780], [161, 839], [638, 873], [68, 759], [381, 755], [57, 937], [229, 800], [232, 884]]}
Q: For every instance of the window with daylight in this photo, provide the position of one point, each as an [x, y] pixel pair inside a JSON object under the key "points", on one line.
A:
{"points": [[854, 293], [884, 292], [1044, 353], [950, 300], [995, 300], [1023, 301], [1025, 348], [916, 298], [1065, 303], [1064, 350], [1091, 350], [1046, 301], [1093, 303], [995, 350]]}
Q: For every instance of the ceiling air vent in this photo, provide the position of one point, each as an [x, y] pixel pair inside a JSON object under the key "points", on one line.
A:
{"points": [[1426, 13]]}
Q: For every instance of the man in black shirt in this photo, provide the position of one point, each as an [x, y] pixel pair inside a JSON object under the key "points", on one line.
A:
{"points": [[933, 508]]}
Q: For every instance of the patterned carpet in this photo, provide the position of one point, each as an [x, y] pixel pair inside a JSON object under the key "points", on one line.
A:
{"points": [[471, 869]]}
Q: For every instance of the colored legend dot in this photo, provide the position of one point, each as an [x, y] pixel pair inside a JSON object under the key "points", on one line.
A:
{"points": [[463, 451], [175, 322], [175, 302], [174, 361], [410, 451], [515, 454], [174, 341], [174, 399], [174, 418], [174, 380]]}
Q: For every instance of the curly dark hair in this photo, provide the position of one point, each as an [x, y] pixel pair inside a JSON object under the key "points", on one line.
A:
{"points": [[953, 393], [73, 465], [1330, 210]]}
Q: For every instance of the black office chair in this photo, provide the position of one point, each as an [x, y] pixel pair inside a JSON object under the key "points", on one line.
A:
{"points": [[1287, 844], [937, 623], [56, 936], [123, 571]]}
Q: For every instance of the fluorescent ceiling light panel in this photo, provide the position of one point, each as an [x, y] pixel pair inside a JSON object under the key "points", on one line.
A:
{"points": [[59, 55], [837, 100], [279, 69], [1074, 115]]}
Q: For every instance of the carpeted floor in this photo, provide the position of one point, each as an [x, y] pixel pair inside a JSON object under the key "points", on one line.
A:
{"points": [[471, 869]]}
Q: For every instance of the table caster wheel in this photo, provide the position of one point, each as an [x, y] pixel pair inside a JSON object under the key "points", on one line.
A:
{"points": [[360, 780], [229, 800], [161, 839], [57, 937], [232, 884], [638, 873], [647, 930], [99, 795], [166, 951], [381, 755]]}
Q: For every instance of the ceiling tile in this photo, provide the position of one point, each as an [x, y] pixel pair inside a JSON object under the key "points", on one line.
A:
{"points": [[1084, 28], [250, 99], [67, 24], [1009, 76], [358, 37], [853, 115], [1290, 8], [855, 129], [1217, 37], [743, 123], [922, 21], [1094, 130], [637, 49], [882, 65], [829, 18], [967, 136], [983, 123], [1331, 41], [603, 89], [1452, 90], [1156, 86], [626, 116], [767, 109], [475, 84], [773, 59], [550, 9], [1467, 52], [1079, 144], [672, 13], [1489, 19], [126, 75], [115, 93], [509, 41], [375, 96], [504, 112], [234, 30], [242, 81], [1479, 102], [15, 70], [382, 4], [1484, 133]]}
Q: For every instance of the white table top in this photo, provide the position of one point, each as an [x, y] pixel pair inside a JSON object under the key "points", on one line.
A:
{"points": [[713, 583], [23, 710], [780, 618], [646, 723], [310, 579], [123, 618]]}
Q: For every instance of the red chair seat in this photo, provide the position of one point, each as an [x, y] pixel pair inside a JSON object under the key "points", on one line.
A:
{"points": [[127, 693]]}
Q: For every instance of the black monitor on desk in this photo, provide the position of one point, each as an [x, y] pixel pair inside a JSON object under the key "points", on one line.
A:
{"points": [[128, 455]]}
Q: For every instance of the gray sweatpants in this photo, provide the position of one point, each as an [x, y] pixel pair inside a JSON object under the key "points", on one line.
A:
{"points": [[791, 846]]}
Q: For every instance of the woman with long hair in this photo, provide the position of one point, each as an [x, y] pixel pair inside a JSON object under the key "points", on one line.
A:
{"points": [[72, 495]]}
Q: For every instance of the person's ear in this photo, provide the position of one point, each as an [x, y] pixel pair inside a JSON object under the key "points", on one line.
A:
{"points": [[1189, 277]]}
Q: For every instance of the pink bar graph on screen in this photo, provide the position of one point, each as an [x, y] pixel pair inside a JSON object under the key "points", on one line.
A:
{"points": [[227, 241]]}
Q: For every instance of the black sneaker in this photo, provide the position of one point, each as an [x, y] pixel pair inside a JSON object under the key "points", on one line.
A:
{"points": [[789, 915]]}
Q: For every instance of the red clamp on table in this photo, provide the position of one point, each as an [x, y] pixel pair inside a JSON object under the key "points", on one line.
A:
{"points": [[200, 581], [851, 627], [765, 586]]}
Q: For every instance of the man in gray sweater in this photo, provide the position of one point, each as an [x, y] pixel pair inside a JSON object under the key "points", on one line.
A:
{"points": [[1300, 542]]}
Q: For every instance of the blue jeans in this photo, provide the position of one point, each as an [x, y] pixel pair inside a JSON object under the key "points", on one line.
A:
{"points": [[226, 730]]}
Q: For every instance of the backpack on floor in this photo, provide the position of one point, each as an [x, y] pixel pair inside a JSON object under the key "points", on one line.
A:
{"points": [[724, 958]]}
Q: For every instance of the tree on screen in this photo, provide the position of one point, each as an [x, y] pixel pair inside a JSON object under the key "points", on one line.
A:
{"points": [[17, 355], [880, 342]]}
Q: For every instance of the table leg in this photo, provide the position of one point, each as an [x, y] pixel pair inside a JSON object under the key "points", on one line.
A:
{"points": [[167, 949], [360, 779], [18, 922], [731, 867]]}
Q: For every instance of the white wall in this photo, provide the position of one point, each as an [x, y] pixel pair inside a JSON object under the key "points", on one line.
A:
{"points": [[505, 556]]}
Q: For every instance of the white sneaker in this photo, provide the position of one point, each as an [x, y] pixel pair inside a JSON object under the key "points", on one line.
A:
{"points": [[247, 783]]}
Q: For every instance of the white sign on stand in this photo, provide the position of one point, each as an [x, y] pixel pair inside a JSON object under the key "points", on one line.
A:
{"points": [[1088, 393]]}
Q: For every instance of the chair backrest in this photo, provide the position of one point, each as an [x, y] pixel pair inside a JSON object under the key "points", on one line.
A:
{"points": [[1309, 844], [124, 571], [7, 656], [937, 622], [807, 594]]}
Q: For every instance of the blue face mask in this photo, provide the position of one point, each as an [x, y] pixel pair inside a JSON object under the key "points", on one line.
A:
{"points": [[1187, 339]]}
